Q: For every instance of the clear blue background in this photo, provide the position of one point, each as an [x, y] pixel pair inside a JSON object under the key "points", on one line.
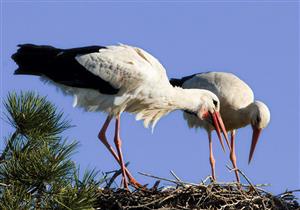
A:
{"points": [[256, 41]]}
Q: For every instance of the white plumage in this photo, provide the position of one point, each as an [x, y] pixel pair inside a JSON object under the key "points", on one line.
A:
{"points": [[238, 108], [115, 79], [136, 73], [144, 87]]}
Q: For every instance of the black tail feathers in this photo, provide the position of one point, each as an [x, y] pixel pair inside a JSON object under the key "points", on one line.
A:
{"points": [[32, 59]]}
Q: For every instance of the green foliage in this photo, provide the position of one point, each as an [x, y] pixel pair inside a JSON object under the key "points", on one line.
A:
{"points": [[78, 194], [34, 116], [15, 197], [36, 171]]}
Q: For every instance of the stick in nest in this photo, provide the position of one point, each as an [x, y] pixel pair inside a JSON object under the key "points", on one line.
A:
{"points": [[114, 176], [169, 180], [246, 178]]}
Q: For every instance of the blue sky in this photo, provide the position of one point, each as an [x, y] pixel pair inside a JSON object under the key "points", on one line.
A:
{"points": [[256, 41]]}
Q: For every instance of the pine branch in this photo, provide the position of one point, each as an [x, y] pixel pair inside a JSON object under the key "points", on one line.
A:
{"points": [[33, 116], [36, 170], [10, 143]]}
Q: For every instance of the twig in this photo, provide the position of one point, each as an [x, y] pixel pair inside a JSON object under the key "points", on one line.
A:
{"points": [[155, 186], [243, 185], [287, 192], [205, 180], [169, 180], [160, 200], [114, 171], [116, 174], [246, 178], [9, 145], [4, 185], [176, 177]]}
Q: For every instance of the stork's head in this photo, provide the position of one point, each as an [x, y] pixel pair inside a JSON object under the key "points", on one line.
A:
{"points": [[208, 111], [209, 103], [260, 118]]}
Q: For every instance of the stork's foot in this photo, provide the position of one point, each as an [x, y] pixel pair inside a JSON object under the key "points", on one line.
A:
{"points": [[134, 183], [213, 179]]}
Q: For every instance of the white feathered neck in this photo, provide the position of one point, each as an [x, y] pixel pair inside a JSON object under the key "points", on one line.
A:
{"points": [[168, 99]]}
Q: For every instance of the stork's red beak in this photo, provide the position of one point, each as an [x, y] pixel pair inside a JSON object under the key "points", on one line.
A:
{"points": [[219, 125], [255, 136]]}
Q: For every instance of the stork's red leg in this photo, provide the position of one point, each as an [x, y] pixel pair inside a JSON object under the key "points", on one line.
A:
{"points": [[233, 156], [118, 144], [103, 139], [211, 157]]}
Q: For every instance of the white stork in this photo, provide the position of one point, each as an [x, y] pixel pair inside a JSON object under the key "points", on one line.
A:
{"points": [[238, 108], [115, 79]]}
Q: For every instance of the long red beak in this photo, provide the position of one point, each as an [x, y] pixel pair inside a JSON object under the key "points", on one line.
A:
{"points": [[219, 125], [255, 135], [223, 129]]}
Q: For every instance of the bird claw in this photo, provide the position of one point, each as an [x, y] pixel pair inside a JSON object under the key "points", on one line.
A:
{"points": [[135, 184]]}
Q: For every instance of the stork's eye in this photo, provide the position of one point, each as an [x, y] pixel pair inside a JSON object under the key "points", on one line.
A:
{"points": [[215, 103]]}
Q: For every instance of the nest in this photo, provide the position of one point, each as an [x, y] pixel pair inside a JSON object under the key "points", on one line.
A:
{"points": [[226, 196]]}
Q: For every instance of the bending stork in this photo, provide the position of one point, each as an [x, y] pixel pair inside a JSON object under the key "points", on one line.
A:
{"points": [[116, 79], [238, 108]]}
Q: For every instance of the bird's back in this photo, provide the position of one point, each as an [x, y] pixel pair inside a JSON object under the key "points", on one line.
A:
{"points": [[111, 79], [233, 93], [105, 69], [124, 67]]}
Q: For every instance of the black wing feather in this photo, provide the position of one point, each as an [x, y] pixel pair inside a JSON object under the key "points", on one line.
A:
{"points": [[179, 82], [60, 66]]}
